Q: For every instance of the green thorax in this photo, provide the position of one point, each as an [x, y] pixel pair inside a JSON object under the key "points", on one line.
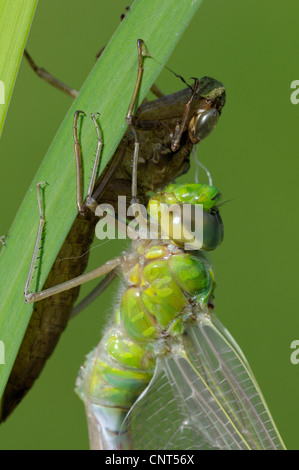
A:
{"points": [[161, 286], [163, 290]]}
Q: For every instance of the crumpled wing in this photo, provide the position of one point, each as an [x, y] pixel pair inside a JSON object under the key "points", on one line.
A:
{"points": [[203, 397]]}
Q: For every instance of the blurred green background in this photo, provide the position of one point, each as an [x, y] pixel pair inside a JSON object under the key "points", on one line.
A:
{"points": [[252, 47]]}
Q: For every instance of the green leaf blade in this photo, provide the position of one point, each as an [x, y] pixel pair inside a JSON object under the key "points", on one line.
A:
{"points": [[15, 22]]}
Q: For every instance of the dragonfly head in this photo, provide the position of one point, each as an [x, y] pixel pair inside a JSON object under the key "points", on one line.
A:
{"points": [[187, 214]]}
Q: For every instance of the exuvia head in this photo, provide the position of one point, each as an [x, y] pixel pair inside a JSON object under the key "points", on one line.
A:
{"points": [[207, 113], [202, 110]]}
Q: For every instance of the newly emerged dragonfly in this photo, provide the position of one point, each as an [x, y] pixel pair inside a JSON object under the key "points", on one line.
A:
{"points": [[167, 374], [166, 129]]}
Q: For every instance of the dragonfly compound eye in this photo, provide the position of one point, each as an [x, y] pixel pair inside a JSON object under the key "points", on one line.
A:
{"points": [[212, 230], [202, 124], [191, 227]]}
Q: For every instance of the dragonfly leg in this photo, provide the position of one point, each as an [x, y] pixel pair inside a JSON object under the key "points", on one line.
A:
{"points": [[142, 52], [38, 239], [77, 281], [93, 178], [78, 157], [92, 196], [68, 90], [122, 17], [2, 240], [156, 91], [180, 126], [90, 201], [94, 293], [49, 78]]}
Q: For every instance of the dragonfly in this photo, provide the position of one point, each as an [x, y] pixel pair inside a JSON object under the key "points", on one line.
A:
{"points": [[167, 129], [167, 374]]}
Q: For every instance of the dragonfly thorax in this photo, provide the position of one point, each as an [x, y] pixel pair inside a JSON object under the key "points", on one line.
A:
{"points": [[162, 287]]}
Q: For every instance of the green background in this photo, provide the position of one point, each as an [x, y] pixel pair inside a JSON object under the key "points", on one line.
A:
{"points": [[252, 47]]}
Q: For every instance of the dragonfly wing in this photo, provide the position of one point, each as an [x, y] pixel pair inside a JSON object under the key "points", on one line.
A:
{"points": [[203, 397], [160, 418], [221, 365]]}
